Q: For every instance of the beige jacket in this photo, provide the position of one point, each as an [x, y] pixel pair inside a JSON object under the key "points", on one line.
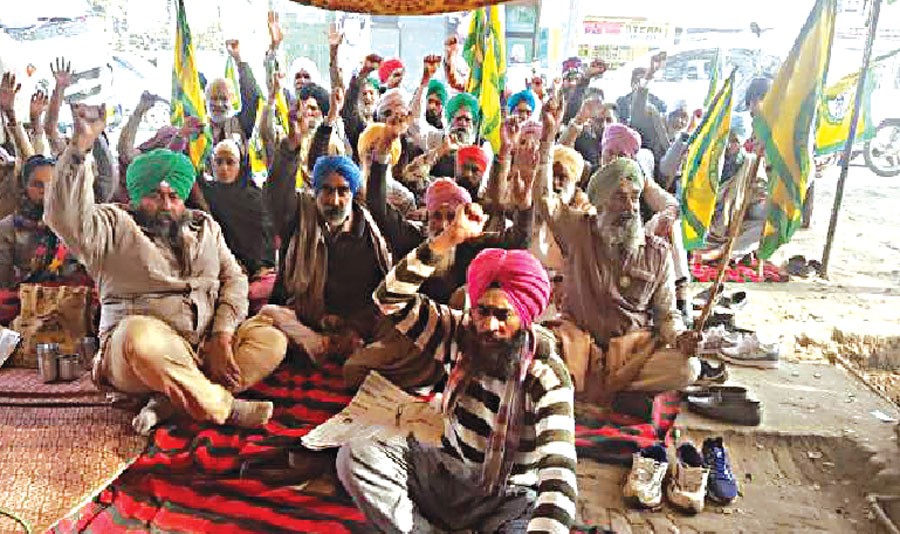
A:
{"points": [[138, 275]]}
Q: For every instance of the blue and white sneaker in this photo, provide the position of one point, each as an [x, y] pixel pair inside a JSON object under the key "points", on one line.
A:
{"points": [[722, 487]]}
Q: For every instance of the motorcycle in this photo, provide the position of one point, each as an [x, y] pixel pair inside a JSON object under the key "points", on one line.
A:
{"points": [[882, 152]]}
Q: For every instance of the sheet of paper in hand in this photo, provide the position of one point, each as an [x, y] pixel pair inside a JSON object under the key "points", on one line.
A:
{"points": [[9, 340], [379, 409]]}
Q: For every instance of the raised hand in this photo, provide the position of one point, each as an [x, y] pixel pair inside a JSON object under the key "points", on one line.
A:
{"points": [[192, 126], [90, 121], [38, 105], [370, 64], [596, 68], [509, 135], [451, 45], [656, 62], [62, 73], [276, 35], [467, 225], [337, 103], [430, 67], [275, 86], [8, 90], [234, 49], [335, 37], [551, 117]]}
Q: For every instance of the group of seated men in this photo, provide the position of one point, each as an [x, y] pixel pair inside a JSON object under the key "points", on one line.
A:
{"points": [[517, 281]]}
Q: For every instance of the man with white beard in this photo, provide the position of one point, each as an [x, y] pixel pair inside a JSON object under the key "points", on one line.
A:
{"points": [[623, 330], [225, 123]]}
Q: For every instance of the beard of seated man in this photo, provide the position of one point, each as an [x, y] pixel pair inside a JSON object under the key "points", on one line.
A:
{"points": [[493, 356], [164, 225], [623, 231]]}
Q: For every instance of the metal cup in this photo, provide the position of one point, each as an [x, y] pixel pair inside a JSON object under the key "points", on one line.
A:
{"points": [[47, 356], [87, 349], [69, 367]]}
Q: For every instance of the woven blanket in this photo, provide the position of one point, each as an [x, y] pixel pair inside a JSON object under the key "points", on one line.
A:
{"points": [[399, 7], [635, 421], [189, 480]]}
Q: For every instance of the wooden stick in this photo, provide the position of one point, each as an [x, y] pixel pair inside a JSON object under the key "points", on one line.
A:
{"points": [[733, 231]]}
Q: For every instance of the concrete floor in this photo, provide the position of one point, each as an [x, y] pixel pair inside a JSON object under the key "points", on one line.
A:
{"points": [[807, 468]]}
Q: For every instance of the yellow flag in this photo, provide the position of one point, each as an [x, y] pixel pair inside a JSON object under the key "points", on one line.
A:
{"points": [[702, 167], [785, 121], [187, 96], [485, 52]]}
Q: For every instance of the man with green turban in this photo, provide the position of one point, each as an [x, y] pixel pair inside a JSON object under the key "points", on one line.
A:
{"points": [[149, 170], [440, 141], [620, 328], [435, 100], [174, 298]]}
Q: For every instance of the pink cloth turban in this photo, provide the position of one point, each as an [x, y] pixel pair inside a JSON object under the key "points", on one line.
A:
{"points": [[621, 140], [519, 275], [445, 191]]}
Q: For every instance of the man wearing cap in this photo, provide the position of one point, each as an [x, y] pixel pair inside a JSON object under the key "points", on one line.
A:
{"points": [[507, 459], [173, 297]]}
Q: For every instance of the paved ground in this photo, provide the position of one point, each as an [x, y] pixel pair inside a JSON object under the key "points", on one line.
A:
{"points": [[807, 468]]}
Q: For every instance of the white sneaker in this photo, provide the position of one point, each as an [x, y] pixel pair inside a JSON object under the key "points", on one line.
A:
{"points": [[751, 352], [644, 484], [687, 485], [715, 339]]}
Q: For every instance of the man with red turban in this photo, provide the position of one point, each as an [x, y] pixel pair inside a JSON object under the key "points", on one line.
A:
{"points": [[507, 459], [390, 73]]}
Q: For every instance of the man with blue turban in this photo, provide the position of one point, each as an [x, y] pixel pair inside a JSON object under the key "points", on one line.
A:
{"points": [[521, 105], [174, 298], [333, 254]]}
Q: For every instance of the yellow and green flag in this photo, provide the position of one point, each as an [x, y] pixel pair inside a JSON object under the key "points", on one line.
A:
{"points": [[713, 79], [187, 95], [836, 108], [231, 75], [784, 124], [702, 167], [485, 52]]}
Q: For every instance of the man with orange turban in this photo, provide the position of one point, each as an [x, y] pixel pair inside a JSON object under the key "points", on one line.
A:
{"points": [[507, 465]]}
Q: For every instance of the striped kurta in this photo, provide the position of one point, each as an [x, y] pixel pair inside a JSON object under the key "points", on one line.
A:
{"points": [[546, 458]]}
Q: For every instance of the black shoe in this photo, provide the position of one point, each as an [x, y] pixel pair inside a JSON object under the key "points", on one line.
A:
{"points": [[712, 374], [727, 393], [729, 408]]}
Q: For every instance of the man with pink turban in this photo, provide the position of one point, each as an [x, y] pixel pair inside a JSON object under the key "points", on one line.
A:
{"points": [[392, 354], [507, 459]]}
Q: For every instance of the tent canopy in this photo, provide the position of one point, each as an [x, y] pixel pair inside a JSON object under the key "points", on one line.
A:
{"points": [[399, 7]]}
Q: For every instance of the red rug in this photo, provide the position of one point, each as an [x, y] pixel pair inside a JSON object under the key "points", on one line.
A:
{"points": [[740, 273], [188, 478]]}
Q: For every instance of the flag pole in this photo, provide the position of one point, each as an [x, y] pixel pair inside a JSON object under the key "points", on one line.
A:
{"points": [[848, 147], [733, 231]]}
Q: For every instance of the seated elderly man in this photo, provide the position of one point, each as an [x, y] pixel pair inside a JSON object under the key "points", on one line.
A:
{"points": [[507, 460], [620, 141], [624, 331], [173, 296]]}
